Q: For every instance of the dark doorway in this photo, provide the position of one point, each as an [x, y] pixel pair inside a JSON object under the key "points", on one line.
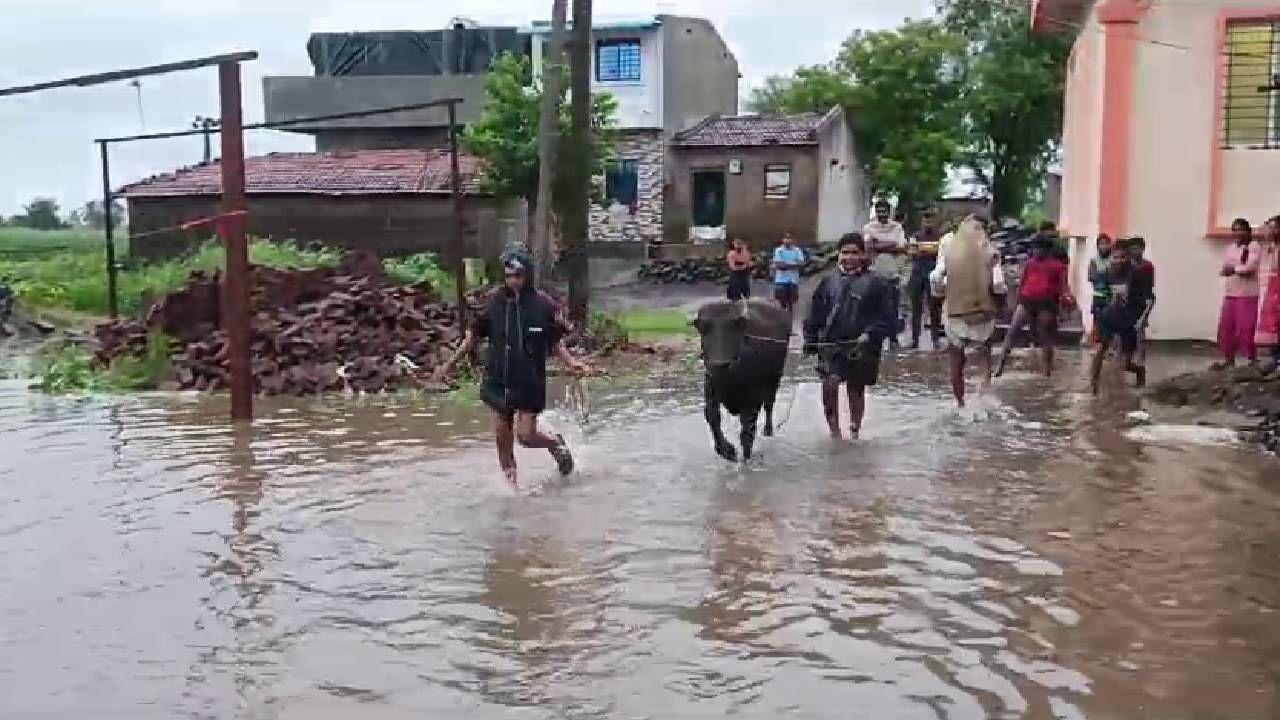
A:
{"points": [[708, 198]]}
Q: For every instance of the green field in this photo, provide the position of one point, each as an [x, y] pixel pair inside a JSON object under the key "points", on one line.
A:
{"points": [[18, 243], [642, 324]]}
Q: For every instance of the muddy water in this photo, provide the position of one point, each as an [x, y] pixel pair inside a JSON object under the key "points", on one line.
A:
{"points": [[362, 558]]}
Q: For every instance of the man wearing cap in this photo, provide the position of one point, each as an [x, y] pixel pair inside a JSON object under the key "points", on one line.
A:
{"points": [[523, 327], [886, 240]]}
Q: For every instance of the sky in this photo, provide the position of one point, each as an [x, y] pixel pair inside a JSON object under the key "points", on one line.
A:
{"points": [[46, 139]]}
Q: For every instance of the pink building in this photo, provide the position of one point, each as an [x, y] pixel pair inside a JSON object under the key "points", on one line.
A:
{"points": [[1172, 129]]}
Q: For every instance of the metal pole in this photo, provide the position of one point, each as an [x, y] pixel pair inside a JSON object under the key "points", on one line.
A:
{"points": [[113, 298], [455, 183], [235, 298]]}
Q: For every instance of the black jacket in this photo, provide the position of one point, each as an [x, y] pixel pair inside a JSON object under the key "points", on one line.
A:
{"points": [[844, 307]]}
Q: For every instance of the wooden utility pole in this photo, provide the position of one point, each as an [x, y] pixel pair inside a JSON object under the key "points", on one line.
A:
{"points": [[549, 141], [577, 164], [235, 284]]}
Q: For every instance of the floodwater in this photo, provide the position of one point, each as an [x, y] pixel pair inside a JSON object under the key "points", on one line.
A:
{"points": [[362, 558]]}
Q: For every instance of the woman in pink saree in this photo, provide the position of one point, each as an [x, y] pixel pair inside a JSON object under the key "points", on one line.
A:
{"points": [[1267, 337]]}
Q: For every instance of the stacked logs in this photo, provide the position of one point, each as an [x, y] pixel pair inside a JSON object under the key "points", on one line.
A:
{"points": [[313, 331], [694, 270]]}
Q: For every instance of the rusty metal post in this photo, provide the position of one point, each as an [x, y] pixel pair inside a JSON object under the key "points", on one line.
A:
{"points": [[113, 293], [455, 183], [235, 297]]}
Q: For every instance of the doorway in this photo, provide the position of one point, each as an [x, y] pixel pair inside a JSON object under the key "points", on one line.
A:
{"points": [[708, 198]]}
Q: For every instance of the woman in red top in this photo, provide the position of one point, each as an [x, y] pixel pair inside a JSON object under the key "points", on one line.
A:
{"points": [[1041, 294]]}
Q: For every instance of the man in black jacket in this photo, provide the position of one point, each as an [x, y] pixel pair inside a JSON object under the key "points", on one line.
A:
{"points": [[850, 316], [523, 327]]}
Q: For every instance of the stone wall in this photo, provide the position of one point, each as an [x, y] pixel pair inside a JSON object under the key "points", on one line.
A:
{"points": [[647, 147]]}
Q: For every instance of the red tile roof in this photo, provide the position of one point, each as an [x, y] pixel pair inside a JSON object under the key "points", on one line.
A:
{"points": [[752, 130], [360, 172]]}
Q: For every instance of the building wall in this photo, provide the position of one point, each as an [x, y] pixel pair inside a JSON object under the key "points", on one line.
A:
{"points": [[288, 98], [388, 225], [1082, 147], [748, 213], [1172, 178], [380, 139], [843, 192], [613, 224], [701, 73], [639, 103]]}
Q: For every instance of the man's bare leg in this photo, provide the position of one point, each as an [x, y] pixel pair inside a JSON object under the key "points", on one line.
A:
{"points": [[505, 437], [857, 408], [1044, 331], [1019, 319], [983, 355], [831, 404], [956, 353], [531, 437], [1095, 368]]}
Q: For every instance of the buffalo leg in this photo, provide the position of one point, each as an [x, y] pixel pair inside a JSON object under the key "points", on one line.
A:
{"points": [[768, 410], [711, 408], [749, 420]]}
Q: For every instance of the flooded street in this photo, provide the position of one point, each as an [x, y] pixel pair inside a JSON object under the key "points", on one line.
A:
{"points": [[362, 558]]}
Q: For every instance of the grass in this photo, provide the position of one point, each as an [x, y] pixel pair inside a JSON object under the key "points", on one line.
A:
{"points": [[18, 242], [645, 322], [64, 367]]}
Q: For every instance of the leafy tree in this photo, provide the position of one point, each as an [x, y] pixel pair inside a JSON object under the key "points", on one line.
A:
{"points": [[903, 103], [506, 135], [40, 214], [1013, 85], [817, 88], [91, 215]]}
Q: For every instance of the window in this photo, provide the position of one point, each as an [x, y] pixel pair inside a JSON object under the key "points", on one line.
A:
{"points": [[622, 182], [618, 60], [1251, 117], [777, 181]]}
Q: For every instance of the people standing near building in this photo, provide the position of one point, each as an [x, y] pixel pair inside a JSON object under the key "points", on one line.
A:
{"points": [[1267, 337], [1132, 279], [923, 251], [1042, 292], [523, 327], [739, 260], [886, 241], [970, 280], [1099, 280], [788, 261], [1238, 320], [849, 318]]}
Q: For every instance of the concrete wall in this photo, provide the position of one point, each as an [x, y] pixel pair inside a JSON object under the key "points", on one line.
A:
{"points": [[388, 225], [612, 224], [639, 103], [380, 139], [843, 192], [701, 73], [748, 213], [287, 98], [1171, 173], [1082, 148]]}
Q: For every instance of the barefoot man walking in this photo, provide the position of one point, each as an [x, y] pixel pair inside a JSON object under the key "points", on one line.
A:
{"points": [[969, 278]]}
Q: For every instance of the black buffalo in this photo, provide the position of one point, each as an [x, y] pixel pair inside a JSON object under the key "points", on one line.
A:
{"points": [[744, 351]]}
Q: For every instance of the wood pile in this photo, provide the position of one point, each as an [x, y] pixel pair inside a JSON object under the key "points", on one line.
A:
{"points": [[716, 270], [343, 328]]}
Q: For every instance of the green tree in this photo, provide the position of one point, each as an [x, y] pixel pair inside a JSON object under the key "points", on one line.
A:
{"points": [[91, 215], [506, 135], [41, 214], [1013, 84], [903, 104], [817, 88]]}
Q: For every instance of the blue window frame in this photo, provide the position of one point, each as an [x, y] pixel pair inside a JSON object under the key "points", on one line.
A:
{"points": [[618, 60]]}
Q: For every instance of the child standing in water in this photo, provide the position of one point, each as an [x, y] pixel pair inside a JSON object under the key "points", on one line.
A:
{"points": [[739, 260]]}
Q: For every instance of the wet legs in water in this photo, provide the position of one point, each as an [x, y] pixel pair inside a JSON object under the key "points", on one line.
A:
{"points": [[711, 410], [523, 427], [983, 357], [921, 301], [1016, 323], [857, 395], [1042, 328]]}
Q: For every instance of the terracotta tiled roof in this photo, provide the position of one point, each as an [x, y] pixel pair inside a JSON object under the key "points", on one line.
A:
{"points": [[360, 172], [752, 130]]}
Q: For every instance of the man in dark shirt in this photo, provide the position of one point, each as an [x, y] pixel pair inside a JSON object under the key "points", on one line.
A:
{"points": [[523, 327], [851, 315], [923, 251], [1133, 280]]}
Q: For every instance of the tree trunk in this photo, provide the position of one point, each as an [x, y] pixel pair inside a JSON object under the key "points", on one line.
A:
{"points": [[549, 141], [577, 164]]}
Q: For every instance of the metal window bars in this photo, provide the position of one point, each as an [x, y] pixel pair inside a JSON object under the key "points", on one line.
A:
{"points": [[1251, 95]]}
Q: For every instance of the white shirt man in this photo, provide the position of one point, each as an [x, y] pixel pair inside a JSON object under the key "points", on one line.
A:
{"points": [[886, 240]]}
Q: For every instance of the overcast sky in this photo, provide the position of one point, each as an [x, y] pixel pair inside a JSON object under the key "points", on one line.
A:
{"points": [[46, 139]]}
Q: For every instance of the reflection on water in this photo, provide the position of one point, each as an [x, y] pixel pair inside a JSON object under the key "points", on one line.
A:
{"points": [[362, 557]]}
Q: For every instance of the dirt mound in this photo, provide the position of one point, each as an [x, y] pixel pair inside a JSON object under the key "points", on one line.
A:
{"points": [[1246, 390]]}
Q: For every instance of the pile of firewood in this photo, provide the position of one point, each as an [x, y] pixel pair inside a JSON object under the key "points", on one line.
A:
{"points": [[343, 328], [716, 270]]}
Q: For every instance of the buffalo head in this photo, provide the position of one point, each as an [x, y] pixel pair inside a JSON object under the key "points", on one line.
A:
{"points": [[722, 327]]}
